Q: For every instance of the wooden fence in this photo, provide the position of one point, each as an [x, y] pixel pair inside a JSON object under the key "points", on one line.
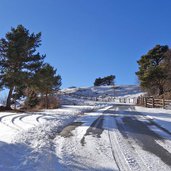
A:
{"points": [[151, 102]]}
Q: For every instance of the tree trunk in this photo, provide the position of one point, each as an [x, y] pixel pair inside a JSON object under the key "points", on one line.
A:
{"points": [[8, 103], [161, 90], [47, 102]]}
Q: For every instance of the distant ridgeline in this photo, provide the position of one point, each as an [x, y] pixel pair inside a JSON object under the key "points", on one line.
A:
{"points": [[109, 80]]}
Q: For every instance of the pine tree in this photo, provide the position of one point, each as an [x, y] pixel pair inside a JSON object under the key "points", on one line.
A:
{"points": [[108, 80], [152, 72], [18, 58], [32, 98], [47, 81], [166, 64]]}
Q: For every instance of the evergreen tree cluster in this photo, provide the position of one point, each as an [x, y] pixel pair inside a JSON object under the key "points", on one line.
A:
{"points": [[155, 70], [22, 68], [108, 80]]}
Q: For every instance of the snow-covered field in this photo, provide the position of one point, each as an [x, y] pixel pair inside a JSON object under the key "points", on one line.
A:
{"points": [[85, 134]]}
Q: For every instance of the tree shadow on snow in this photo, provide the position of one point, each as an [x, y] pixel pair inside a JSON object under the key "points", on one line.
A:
{"points": [[20, 157]]}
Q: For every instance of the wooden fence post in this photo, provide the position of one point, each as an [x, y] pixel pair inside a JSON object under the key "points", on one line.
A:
{"points": [[163, 103], [135, 100], [145, 101], [141, 101], [153, 105]]}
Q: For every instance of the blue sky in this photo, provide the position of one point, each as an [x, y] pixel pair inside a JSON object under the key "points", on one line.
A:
{"points": [[86, 39]]}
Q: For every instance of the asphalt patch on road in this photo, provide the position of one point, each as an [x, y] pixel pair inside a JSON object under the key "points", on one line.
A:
{"points": [[67, 131], [95, 129]]}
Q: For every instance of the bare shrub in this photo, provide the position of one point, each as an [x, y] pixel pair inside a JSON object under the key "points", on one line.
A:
{"points": [[50, 102]]}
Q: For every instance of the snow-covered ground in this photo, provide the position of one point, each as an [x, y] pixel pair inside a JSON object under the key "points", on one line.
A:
{"points": [[160, 116], [85, 134], [26, 138]]}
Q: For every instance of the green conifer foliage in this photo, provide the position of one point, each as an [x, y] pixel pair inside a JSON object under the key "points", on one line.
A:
{"points": [[152, 72], [18, 58]]}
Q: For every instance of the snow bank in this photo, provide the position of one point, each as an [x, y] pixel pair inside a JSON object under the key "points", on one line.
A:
{"points": [[160, 116]]}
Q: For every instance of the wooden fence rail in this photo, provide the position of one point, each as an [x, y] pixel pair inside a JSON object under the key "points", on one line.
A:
{"points": [[151, 102]]}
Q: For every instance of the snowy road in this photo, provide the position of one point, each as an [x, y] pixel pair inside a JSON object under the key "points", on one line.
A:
{"points": [[115, 138], [91, 138]]}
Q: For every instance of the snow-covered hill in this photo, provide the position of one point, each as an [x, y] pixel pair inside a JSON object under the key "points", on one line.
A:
{"points": [[86, 95], [103, 91]]}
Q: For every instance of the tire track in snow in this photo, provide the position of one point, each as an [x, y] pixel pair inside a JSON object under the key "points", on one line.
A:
{"points": [[20, 118], [13, 120], [23, 117], [43, 117], [6, 123], [113, 153], [4, 116], [125, 155], [130, 149], [117, 152], [38, 118]]}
